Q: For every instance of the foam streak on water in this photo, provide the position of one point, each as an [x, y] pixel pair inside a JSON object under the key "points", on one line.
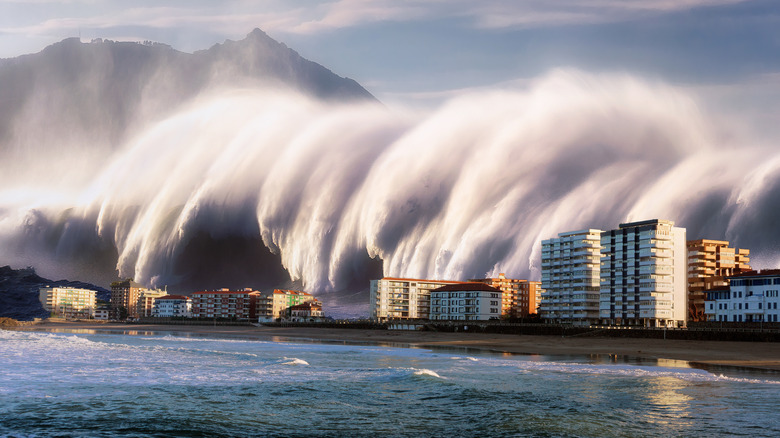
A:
{"points": [[121, 385]]}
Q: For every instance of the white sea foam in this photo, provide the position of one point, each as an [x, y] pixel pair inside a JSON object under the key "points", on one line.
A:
{"points": [[294, 361], [427, 373]]}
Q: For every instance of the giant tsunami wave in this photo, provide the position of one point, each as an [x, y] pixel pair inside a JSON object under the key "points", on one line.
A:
{"points": [[242, 183]]}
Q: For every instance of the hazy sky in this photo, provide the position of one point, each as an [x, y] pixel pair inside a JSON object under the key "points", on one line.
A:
{"points": [[418, 51]]}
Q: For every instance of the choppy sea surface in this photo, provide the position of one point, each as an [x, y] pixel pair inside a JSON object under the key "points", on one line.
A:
{"points": [[119, 385]]}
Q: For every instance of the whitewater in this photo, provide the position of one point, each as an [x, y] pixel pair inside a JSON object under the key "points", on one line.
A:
{"points": [[240, 185], [147, 384]]}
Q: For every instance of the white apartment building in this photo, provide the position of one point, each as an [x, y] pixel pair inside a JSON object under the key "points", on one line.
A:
{"points": [[172, 305], [750, 297], [570, 278], [644, 275], [466, 302], [68, 302], [403, 298]]}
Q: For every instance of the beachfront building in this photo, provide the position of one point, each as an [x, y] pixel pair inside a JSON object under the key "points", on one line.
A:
{"points": [[225, 303], [68, 302], [308, 311], [644, 275], [276, 305], [102, 313], [751, 296], [402, 298], [171, 306], [571, 280], [710, 263], [465, 302], [132, 300], [519, 298], [146, 299]]}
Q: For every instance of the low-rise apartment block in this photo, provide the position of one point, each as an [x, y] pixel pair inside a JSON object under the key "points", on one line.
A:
{"points": [[277, 304], [224, 303], [172, 306], [466, 302], [752, 296], [520, 298], [402, 298], [68, 302]]}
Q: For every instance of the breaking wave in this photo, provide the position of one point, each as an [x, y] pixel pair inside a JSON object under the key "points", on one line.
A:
{"points": [[248, 184]]}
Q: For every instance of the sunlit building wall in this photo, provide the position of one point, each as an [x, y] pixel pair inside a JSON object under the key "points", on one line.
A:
{"points": [[68, 302], [750, 297], [465, 302], [402, 298], [644, 275], [710, 263], [570, 283]]}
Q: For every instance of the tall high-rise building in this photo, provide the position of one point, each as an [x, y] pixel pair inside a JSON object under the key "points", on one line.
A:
{"points": [[570, 277], [644, 275], [403, 298], [519, 298], [710, 262]]}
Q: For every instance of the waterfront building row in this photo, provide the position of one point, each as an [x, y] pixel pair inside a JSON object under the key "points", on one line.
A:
{"points": [[632, 275], [642, 273], [751, 296], [393, 298]]}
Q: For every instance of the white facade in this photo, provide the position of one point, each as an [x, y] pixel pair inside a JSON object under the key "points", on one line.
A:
{"points": [[402, 298], [571, 277], [751, 297], [68, 302], [644, 275], [465, 302], [172, 305]]}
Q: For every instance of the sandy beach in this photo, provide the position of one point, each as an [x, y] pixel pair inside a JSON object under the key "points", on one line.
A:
{"points": [[665, 352]]}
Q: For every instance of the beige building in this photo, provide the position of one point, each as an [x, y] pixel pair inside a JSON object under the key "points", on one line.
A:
{"points": [[68, 302], [225, 303], [520, 298], [277, 304], [132, 300], [402, 298], [709, 263]]}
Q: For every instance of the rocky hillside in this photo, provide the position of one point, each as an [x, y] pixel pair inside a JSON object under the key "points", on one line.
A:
{"points": [[19, 293]]}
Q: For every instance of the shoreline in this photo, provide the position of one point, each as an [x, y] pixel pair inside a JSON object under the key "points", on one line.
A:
{"points": [[680, 353]]}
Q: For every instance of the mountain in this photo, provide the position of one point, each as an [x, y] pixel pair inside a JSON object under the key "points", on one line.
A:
{"points": [[91, 96], [19, 293]]}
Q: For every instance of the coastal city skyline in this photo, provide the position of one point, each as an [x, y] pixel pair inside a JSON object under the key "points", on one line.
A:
{"points": [[369, 218], [456, 177]]}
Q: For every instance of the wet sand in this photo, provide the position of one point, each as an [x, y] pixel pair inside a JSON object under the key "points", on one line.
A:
{"points": [[757, 355]]}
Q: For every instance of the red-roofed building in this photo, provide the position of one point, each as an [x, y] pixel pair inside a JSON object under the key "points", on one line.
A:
{"points": [[466, 302], [403, 298], [305, 311], [225, 303]]}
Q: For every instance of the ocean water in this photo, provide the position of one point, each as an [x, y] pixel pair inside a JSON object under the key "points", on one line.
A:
{"points": [[120, 385]]}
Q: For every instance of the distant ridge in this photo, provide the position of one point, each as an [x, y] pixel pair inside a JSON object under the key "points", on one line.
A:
{"points": [[19, 293], [89, 94]]}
